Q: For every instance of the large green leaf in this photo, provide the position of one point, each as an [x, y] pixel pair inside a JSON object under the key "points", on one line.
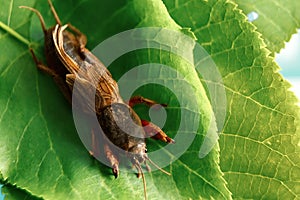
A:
{"points": [[260, 152], [277, 20], [40, 151]]}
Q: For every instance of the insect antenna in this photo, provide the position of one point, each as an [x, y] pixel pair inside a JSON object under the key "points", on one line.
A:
{"points": [[159, 168], [39, 16], [54, 12], [140, 171]]}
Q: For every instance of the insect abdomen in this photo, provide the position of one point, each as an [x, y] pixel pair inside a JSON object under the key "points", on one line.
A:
{"points": [[122, 126]]}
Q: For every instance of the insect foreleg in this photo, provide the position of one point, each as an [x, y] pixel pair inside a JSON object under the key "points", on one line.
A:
{"points": [[155, 132], [151, 129]]}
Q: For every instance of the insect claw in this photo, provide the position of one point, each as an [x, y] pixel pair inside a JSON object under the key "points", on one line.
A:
{"points": [[91, 153], [170, 140], [115, 171]]}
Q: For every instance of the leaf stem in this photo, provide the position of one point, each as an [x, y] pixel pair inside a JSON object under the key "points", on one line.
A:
{"points": [[14, 33]]}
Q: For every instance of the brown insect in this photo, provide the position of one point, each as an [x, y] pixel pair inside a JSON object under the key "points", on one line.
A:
{"points": [[69, 61]]}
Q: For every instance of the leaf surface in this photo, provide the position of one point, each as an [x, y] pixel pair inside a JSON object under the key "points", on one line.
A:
{"points": [[277, 20], [260, 138]]}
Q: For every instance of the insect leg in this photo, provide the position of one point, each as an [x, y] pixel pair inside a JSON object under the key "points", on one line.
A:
{"points": [[95, 145], [151, 129], [80, 36], [41, 66], [39, 16], [139, 99], [155, 132], [54, 12], [112, 159], [147, 166], [58, 80]]}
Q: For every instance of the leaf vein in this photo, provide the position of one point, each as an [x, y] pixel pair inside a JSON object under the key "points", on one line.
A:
{"points": [[263, 144], [22, 137], [10, 97], [201, 177], [51, 143], [10, 12], [264, 177], [12, 63]]}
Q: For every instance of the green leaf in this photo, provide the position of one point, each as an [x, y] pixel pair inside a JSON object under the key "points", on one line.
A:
{"points": [[260, 151], [40, 151], [277, 20]]}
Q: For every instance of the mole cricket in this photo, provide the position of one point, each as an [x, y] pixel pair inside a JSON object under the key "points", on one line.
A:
{"points": [[68, 61]]}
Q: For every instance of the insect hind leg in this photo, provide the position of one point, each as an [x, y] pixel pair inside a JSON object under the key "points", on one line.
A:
{"points": [[82, 40], [41, 66], [54, 12]]}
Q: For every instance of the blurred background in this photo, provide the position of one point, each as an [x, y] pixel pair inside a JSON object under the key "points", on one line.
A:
{"points": [[289, 61]]}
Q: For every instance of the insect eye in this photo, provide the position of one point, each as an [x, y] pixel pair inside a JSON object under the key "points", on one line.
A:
{"points": [[146, 150]]}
